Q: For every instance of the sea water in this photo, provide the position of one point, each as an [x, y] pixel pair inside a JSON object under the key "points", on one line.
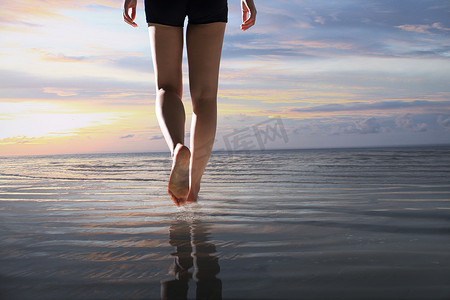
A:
{"points": [[367, 223]]}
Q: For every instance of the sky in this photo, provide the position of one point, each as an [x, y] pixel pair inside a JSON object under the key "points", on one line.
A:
{"points": [[75, 78]]}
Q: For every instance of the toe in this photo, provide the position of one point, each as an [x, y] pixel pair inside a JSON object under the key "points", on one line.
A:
{"points": [[176, 200]]}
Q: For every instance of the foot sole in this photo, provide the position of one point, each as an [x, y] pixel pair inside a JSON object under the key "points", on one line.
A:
{"points": [[178, 187]]}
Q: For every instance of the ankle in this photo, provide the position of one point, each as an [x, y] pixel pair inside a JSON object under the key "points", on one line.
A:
{"points": [[194, 188], [176, 148]]}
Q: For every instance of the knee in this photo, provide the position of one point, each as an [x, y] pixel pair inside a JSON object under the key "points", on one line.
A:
{"points": [[164, 91], [204, 105]]}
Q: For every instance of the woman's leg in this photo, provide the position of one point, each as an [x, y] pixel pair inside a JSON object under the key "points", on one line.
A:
{"points": [[204, 47], [167, 49]]}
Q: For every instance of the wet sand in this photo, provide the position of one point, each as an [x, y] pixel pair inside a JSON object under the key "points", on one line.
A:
{"points": [[249, 237]]}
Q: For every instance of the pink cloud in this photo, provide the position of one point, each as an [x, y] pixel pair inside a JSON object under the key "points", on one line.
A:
{"points": [[422, 28]]}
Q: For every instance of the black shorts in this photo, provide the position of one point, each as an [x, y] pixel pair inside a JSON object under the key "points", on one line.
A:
{"points": [[173, 12]]}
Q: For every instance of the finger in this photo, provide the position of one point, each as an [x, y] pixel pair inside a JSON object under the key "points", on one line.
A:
{"points": [[245, 27], [251, 18], [128, 19], [130, 22], [248, 23], [245, 10], [244, 16]]}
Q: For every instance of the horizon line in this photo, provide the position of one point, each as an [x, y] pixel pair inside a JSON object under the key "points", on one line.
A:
{"points": [[242, 151]]}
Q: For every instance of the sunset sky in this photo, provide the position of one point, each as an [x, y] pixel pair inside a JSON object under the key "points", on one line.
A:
{"points": [[75, 78]]}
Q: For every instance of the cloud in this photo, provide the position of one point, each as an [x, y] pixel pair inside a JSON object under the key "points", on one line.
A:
{"points": [[135, 63], [383, 125], [318, 44], [346, 24], [61, 92], [239, 117], [444, 122], [423, 28], [22, 85], [381, 105], [16, 140], [407, 122], [48, 56], [156, 137], [415, 28], [366, 126], [127, 136], [19, 12]]}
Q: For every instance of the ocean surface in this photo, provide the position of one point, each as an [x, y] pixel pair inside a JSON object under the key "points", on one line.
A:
{"points": [[291, 224]]}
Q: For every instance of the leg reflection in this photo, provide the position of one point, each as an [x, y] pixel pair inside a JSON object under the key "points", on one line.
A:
{"points": [[207, 265], [183, 236], [180, 238]]}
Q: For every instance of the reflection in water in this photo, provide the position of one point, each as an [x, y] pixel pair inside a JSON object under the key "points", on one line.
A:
{"points": [[193, 250]]}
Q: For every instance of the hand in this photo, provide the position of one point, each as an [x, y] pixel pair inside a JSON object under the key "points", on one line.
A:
{"points": [[248, 14], [126, 12]]}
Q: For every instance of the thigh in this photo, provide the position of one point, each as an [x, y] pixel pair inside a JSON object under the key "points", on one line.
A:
{"points": [[167, 54], [204, 47]]}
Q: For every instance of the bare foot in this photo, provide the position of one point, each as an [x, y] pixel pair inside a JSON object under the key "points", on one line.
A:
{"points": [[179, 177], [193, 194]]}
